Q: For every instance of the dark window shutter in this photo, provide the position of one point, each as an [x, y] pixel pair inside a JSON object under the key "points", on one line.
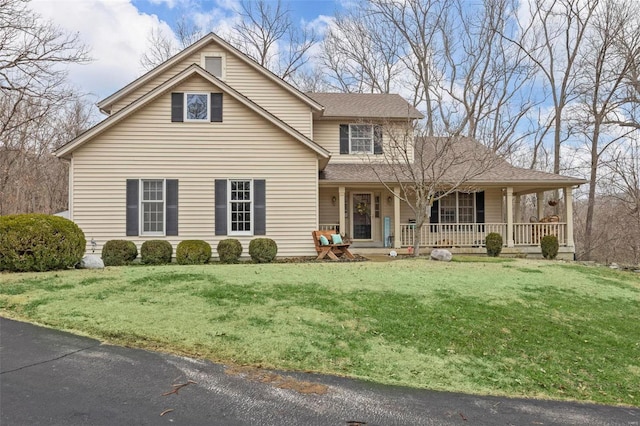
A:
{"points": [[216, 107], [259, 207], [377, 140], [435, 217], [172, 207], [177, 107], [480, 207], [132, 206], [221, 206], [344, 139]]}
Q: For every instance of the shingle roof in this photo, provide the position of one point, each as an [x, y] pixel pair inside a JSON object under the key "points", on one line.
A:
{"points": [[365, 105], [498, 171]]}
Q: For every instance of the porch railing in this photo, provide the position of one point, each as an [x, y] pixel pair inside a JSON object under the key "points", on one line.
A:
{"points": [[474, 234], [328, 226]]}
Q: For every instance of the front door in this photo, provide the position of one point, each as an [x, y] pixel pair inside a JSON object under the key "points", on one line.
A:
{"points": [[361, 209]]}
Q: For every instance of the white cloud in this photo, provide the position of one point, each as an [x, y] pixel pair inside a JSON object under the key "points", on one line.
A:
{"points": [[116, 33]]}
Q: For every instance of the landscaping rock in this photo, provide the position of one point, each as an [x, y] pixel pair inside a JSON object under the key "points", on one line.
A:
{"points": [[441, 255], [91, 261]]}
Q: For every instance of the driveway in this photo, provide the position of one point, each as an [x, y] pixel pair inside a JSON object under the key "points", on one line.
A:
{"points": [[48, 377]]}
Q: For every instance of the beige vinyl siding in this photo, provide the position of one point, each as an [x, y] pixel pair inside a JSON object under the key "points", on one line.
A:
{"points": [[493, 205], [327, 134], [148, 145], [243, 78], [329, 213]]}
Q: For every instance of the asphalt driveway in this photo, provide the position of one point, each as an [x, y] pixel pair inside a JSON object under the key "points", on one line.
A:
{"points": [[56, 378]]}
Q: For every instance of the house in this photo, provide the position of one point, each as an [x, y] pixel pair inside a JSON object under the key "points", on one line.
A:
{"points": [[209, 145]]}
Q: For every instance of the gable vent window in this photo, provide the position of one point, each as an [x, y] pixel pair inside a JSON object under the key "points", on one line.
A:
{"points": [[213, 64], [196, 107]]}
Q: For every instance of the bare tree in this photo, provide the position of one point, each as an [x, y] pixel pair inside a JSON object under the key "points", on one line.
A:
{"points": [[601, 74], [163, 46], [551, 35], [267, 34], [428, 168], [34, 90]]}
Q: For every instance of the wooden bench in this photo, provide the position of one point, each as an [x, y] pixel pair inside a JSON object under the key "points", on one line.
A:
{"points": [[333, 251]]}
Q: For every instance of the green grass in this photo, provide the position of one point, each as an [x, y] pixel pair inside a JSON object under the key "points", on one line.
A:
{"points": [[488, 326]]}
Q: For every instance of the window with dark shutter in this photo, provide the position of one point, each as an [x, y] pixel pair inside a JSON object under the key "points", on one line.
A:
{"points": [[177, 107], [344, 139], [259, 207], [172, 207], [221, 206], [133, 216], [377, 140], [216, 107]]}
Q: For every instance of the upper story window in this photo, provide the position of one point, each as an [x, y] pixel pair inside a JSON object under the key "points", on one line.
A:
{"points": [[213, 64], [196, 107], [361, 139]]}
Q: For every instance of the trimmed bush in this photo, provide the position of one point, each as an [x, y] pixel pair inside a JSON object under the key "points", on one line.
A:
{"points": [[229, 250], [263, 250], [119, 252], [193, 252], [549, 245], [494, 244], [156, 252], [39, 242]]}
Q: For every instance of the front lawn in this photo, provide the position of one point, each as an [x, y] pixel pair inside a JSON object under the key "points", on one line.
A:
{"points": [[519, 328]]}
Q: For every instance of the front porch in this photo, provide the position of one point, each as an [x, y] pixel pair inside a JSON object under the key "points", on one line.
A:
{"points": [[520, 236]]}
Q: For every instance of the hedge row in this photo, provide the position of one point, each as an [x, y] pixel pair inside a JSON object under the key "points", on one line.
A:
{"points": [[188, 252]]}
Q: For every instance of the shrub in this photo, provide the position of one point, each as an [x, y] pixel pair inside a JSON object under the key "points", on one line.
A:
{"points": [[156, 252], [193, 252], [494, 244], [263, 250], [549, 245], [39, 242], [229, 250], [119, 252]]}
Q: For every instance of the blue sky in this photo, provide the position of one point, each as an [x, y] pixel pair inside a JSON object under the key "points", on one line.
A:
{"points": [[116, 31]]}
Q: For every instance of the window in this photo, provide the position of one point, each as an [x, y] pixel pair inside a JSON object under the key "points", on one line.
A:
{"points": [[240, 203], [458, 207], [152, 203], [213, 64], [360, 139], [196, 107]]}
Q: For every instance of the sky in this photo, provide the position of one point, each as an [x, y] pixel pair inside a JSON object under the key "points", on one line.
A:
{"points": [[116, 31]]}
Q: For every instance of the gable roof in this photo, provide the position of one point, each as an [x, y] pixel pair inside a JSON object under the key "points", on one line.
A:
{"points": [[365, 105], [105, 104], [192, 70]]}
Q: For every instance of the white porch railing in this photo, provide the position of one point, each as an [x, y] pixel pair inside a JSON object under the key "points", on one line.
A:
{"points": [[328, 226], [474, 234]]}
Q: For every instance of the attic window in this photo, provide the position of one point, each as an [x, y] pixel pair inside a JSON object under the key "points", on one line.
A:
{"points": [[213, 64], [196, 107]]}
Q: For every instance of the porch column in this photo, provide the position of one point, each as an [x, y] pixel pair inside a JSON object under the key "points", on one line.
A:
{"points": [[510, 217], [517, 218], [568, 205], [396, 218], [540, 203], [341, 212]]}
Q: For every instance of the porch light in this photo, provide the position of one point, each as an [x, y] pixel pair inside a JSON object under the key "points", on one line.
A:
{"points": [[389, 198], [333, 200]]}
